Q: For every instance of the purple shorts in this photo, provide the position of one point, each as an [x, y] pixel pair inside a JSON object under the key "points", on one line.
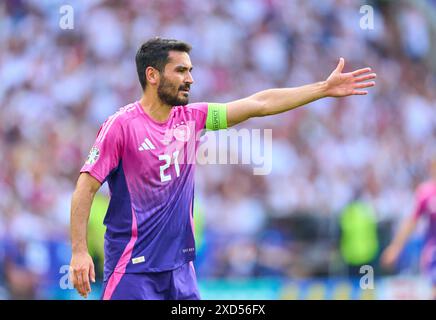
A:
{"points": [[177, 284]]}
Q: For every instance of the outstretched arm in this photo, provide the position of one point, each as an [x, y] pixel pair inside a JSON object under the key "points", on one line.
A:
{"points": [[274, 101]]}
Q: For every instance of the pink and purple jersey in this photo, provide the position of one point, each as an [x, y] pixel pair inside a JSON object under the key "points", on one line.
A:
{"points": [[149, 167], [425, 206]]}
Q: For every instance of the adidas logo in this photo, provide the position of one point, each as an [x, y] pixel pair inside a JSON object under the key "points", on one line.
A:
{"points": [[146, 145]]}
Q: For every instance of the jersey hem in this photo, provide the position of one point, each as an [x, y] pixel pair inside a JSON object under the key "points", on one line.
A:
{"points": [[151, 270], [94, 174]]}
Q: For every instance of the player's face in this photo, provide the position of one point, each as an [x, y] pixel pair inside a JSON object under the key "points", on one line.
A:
{"points": [[175, 81]]}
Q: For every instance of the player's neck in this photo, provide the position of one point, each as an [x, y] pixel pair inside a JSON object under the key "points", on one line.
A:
{"points": [[154, 107]]}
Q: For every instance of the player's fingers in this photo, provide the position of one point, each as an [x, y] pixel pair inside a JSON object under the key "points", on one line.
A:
{"points": [[86, 284], [359, 93], [341, 64], [366, 77], [92, 273], [79, 284], [82, 278], [76, 279], [364, 85], [360, 71]]}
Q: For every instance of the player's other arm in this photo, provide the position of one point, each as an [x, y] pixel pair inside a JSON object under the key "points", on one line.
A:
{"points": [[274, 101], [392, 252], [82, 266]]}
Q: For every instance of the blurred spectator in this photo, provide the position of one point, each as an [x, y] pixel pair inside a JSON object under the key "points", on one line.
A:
{"points": [[359, 241]]}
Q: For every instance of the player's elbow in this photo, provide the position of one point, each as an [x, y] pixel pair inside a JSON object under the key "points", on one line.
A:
{"points": [[87, 185], [260, 105]]}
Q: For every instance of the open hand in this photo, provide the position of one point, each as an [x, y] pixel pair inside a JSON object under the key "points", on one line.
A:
{"points": [[345, 84]]}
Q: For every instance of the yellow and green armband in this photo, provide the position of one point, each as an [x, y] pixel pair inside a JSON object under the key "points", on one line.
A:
{"points": [[216, 116]]}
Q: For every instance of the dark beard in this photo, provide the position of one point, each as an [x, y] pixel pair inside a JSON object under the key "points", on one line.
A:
{"points": [[168, 94]]}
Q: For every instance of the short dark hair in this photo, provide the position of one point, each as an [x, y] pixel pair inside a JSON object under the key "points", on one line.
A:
{"points": [[154, 53]]}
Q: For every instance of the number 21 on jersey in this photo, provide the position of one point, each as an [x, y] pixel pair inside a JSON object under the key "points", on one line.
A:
{"points": [[167, 158]]}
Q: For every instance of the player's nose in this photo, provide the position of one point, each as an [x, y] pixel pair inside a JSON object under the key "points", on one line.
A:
{"points": [[189, 79]]}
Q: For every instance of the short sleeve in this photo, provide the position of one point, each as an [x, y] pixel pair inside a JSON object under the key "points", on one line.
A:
{"points": [[420, 202], [105, 154]]}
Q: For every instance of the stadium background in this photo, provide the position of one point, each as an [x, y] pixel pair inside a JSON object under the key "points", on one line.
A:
{"points": [[343, 171]]}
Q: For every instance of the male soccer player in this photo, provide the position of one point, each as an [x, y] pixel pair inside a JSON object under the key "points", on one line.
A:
{"points": [[142, 151], [425, 207]]}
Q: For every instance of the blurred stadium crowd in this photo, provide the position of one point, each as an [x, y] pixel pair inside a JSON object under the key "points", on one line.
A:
{"points": [[57, 87]]}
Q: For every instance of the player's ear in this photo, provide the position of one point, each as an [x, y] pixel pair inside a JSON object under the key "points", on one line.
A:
{"points": [[152, 75]]}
